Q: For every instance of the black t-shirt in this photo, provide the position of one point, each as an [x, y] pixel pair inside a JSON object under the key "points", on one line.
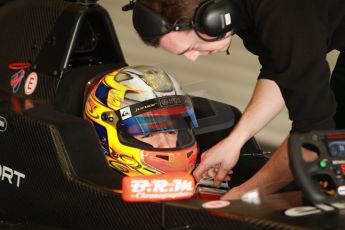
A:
{"points": [[292, 39]]}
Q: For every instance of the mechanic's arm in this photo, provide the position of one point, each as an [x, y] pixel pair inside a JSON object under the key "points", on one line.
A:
{"points": [[265, 104], [274, 175]]}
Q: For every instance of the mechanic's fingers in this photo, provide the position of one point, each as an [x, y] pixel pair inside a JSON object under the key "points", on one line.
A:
{"points": [[206, 164], [209, 174], [200, 171], [212, 172], [220, 176]]}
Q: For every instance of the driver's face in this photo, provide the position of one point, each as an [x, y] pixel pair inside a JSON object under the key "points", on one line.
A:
{"points": [[191, 46], [160, 140]]}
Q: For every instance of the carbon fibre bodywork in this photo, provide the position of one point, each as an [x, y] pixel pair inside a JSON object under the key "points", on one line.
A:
{"points": [[53, 172]]}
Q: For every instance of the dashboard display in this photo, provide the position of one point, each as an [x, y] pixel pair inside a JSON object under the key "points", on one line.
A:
{"points": [[337, 148]]}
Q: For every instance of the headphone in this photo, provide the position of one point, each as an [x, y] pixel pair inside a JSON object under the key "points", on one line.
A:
{"points": [[214, 18]]}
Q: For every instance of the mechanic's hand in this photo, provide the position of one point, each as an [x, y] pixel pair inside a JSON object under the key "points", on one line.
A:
{"points": [[217, 162], [212, 172]]}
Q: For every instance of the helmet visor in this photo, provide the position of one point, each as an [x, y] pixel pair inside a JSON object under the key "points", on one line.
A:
{"points": [[159, 126], [165, 128], [163, 120]]}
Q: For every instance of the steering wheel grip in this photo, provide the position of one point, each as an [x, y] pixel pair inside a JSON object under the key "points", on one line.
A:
{"points": [[305, 171]]}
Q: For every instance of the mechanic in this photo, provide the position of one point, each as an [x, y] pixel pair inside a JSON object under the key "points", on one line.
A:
{"points": [[291, 39], [144, 121]]}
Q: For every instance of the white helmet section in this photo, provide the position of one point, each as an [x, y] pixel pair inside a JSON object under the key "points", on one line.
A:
{"points": [[147, 82]]}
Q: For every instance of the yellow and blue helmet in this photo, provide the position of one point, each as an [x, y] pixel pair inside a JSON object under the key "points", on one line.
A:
{"points": [[142, 101]]}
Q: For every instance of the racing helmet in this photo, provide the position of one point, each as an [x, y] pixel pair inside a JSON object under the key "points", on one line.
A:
{"points": [[143, 101]]}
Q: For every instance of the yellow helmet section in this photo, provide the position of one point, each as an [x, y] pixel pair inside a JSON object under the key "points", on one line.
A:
{"points": [[115, 99]]}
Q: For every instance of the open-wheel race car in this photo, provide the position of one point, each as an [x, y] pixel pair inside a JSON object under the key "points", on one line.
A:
{"points": [[53, 172]]}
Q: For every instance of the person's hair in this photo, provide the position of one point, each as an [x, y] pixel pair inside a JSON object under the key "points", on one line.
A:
{"points": [[171, 10]]}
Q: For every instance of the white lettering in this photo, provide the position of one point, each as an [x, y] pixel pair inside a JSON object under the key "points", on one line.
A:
{"points": [[19, 175], [183, 185], [309, 210], [140, 185], [302, 211], [161, 189], [8, 174], [31, 83], [162, 195], [338, 162], [160, 186]]}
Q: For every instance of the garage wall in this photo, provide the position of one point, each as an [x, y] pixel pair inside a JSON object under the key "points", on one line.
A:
{"points": [[229, 79]]}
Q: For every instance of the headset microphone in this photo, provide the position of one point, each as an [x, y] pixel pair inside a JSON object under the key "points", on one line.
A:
{"points": [[227, 51]]}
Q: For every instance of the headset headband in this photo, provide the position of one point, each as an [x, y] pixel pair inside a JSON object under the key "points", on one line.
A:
{"points": [[213, 17], [149, 24]]}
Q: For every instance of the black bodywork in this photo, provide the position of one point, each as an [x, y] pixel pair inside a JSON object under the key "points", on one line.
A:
{"points": [[53, 172]]}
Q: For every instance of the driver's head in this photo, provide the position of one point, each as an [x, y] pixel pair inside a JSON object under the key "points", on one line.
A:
{"points": [[144, 121]]}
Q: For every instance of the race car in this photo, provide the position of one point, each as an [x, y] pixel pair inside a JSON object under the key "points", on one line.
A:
{"points": [[53, 173]]}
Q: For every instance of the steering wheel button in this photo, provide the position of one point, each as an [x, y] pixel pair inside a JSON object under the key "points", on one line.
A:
{"points": [[338, 171], [323, 164], [341, 190]]}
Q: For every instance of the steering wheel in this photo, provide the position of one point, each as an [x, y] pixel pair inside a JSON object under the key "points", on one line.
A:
{"points": [[322, 180]]}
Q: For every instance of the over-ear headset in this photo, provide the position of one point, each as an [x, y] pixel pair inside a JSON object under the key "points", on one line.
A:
{"points": [[212, 17]]}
